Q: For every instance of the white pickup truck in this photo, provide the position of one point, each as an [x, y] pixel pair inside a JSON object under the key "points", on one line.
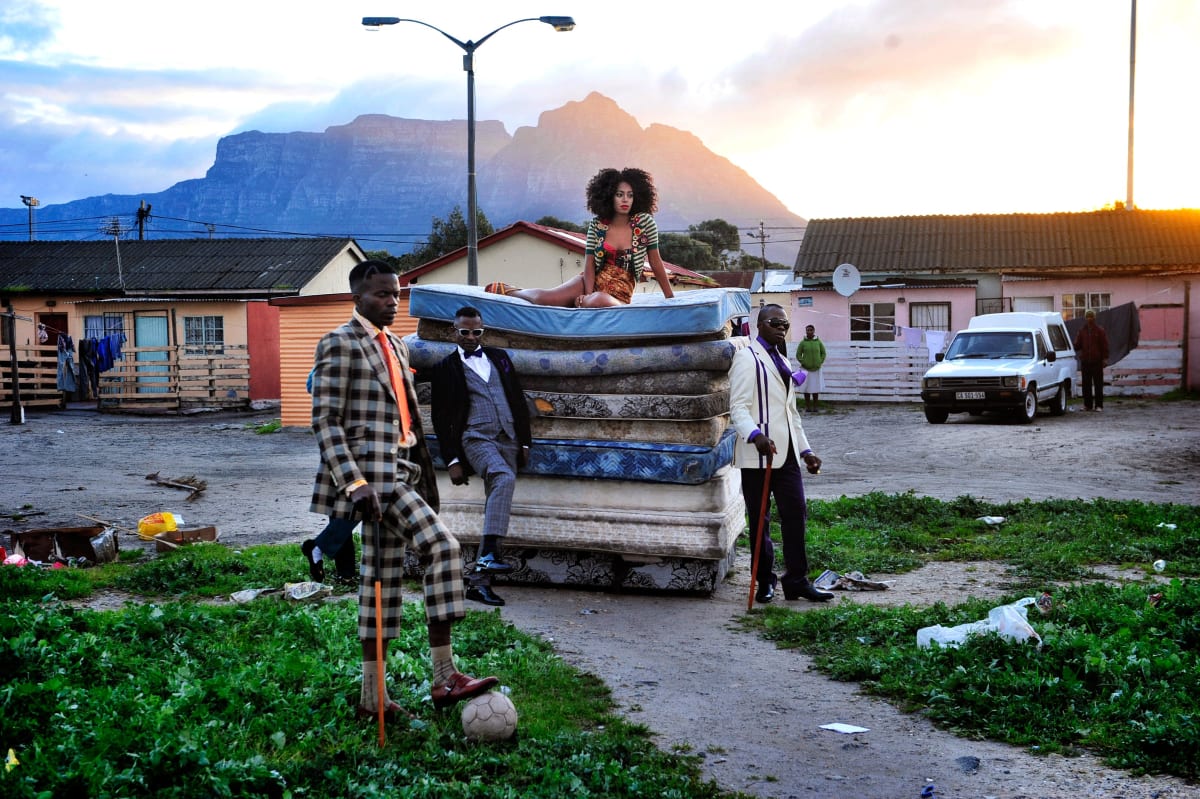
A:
{"points": [[1002, 362]]}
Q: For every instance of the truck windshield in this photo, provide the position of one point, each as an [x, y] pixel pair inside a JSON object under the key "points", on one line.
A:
{"points": [[992, 345]]}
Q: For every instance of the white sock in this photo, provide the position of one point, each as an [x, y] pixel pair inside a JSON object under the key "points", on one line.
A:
{"points": [[369, 698], [316, 555]]}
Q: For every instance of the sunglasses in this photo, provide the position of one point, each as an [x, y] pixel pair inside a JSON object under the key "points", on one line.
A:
{"points": [[465, 331], [779, 324]]}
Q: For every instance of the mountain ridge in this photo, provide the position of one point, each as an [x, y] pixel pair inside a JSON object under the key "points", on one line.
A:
{"points": [[383, 179]]}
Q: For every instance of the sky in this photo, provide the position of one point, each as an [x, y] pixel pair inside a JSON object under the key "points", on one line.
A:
{"points": [[839, 109]]}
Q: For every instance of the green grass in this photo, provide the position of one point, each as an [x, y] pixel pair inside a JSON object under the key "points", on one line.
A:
{"points": [[1117, 674], [185, 699]]}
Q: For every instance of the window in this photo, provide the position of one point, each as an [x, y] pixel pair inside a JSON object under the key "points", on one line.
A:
{"points": [[101, 326], [203, 335], [873, 322], [1073, 305], [929, 315]]}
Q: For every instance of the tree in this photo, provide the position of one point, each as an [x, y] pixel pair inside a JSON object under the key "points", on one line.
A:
{"points": [[383, 255], [447, 235], [722, 237], [561, 224], [688, 252]]}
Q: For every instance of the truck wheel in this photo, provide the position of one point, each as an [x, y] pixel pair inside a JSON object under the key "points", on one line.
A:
{"points": [[1058, 405], [936, 415], [1029, 410]]}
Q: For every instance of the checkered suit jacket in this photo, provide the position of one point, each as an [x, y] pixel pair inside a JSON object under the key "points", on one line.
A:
{"points": [[357, 423]]}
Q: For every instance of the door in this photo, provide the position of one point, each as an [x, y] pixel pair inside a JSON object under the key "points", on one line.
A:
{"points": [[153, 365], [1033, 304]]}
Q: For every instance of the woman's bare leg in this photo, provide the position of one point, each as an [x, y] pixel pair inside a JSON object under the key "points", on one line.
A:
{"points": [[563, 296]]}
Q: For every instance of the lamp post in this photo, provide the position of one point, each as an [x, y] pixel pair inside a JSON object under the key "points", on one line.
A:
{"points": [[30, 203], [469, 48]]}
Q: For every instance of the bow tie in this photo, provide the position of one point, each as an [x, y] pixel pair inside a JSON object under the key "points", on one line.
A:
{"points": [[477, 351]]}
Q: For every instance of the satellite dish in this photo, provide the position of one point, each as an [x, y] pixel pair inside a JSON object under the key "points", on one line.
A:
{"points": [[846, 279]]}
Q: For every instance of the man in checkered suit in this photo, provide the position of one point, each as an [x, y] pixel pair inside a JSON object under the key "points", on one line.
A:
{"points": [[374, 462]]}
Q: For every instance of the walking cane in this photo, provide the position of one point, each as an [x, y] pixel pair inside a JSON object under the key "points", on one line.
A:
{"points": [[765, 530], [379, 670]]}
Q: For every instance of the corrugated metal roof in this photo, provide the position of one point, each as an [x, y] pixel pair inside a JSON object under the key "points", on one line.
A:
{"points": [[1100, 240], [231, 266]]}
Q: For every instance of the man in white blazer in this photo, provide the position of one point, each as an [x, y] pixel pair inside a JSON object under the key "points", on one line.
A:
{"points": [[763, 411]]}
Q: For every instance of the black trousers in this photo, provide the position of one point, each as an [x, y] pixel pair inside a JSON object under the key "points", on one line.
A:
{"points": [[787, 491]]}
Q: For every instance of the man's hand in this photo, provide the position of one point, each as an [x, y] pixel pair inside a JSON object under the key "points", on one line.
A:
{"points": [[765, 447], [366, 501], [812, 463], [458, 475]]}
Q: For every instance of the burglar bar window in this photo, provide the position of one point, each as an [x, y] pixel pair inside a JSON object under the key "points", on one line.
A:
{"points": [[97, 326], [929, 315], [203, 335]]}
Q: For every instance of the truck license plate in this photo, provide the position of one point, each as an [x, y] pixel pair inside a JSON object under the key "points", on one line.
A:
{"points": [[969, 395]]}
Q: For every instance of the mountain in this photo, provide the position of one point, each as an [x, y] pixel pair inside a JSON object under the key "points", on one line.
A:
{"points": [[383, 179]]}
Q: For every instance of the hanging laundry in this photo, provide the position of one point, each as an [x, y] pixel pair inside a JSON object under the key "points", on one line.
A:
{"points": [[911, 337], [936, 341], [66, 364]]}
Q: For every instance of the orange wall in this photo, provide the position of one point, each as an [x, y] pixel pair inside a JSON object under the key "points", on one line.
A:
{"points": [[302, 322]]}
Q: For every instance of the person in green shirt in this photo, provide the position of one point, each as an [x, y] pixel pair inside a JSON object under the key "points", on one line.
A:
{"points": [[811, 354]]}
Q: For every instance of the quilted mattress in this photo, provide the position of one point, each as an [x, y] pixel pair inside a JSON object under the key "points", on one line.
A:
{"points": [[629, 406], [709, 356], [647, 316], [433, 330], [621, 460]]}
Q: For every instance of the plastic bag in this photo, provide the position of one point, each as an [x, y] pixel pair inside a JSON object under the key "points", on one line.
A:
{"points": [[155, 523], [1009, 621]]}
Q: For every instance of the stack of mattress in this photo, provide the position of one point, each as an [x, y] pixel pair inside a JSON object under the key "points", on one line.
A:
{"points": [[629, 482]]}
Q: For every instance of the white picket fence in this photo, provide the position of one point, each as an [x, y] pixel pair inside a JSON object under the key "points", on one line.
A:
{"points": [[892, 372]]}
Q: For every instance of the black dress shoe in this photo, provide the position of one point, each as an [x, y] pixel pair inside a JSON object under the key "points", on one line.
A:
{"points": [[490, 564], [484, 594], [766, 591], [316, 568], [806, 590]]}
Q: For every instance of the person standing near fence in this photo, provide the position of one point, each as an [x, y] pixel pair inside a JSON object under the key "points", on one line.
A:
{"points": [[810, 352], [1091, 347]]}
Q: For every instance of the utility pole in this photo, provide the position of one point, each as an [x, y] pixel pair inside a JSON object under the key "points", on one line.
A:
{"points": [[114, 229], [762, 237], [1132, 60], [30, 203], [10, 323], [143, 213]]}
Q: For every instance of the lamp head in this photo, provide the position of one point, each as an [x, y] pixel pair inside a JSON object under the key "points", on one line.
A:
{"points": [[375, 22], [560, 24], [32, 202]]}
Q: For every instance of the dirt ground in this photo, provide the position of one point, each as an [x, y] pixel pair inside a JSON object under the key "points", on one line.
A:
{"points": [[679, 665]]}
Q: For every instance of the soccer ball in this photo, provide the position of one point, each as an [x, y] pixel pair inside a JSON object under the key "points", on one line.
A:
{"points": [[489, 717]]}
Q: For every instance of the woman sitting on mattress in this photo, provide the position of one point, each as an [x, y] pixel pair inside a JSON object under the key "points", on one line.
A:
{"points": [[619, 240]]}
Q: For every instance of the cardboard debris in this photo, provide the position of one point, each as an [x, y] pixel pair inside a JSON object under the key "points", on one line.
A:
{"points": [[95, 543], [182, 536]]}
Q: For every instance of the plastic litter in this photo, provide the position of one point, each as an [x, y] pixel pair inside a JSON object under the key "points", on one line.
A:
{"points": [[1159, 565], [1009, 621], [994, 521]]}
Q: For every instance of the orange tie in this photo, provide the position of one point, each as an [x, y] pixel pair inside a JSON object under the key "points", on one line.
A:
{"points": [[393, 367]]}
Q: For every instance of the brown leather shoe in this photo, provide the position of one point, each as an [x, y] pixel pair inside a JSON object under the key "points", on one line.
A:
{"points": [[459, 687]]}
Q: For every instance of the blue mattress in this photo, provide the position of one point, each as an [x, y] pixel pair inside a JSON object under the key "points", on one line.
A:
{"points": [[699, 356], [648, 316], [622, 460]]}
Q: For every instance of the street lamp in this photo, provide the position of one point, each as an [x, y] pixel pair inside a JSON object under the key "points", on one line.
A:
{"points": [[30, 203], [469, 47]]}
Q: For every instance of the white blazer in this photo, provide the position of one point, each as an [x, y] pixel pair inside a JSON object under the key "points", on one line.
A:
{"points": [[760, 399]]}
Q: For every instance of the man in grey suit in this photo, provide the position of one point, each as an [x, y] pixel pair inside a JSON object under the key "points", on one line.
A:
{"points": [[482, 425], [374, 462]]}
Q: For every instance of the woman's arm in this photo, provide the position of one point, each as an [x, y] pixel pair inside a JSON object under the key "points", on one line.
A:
{"points": [[589, 274], [660, 273]]}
